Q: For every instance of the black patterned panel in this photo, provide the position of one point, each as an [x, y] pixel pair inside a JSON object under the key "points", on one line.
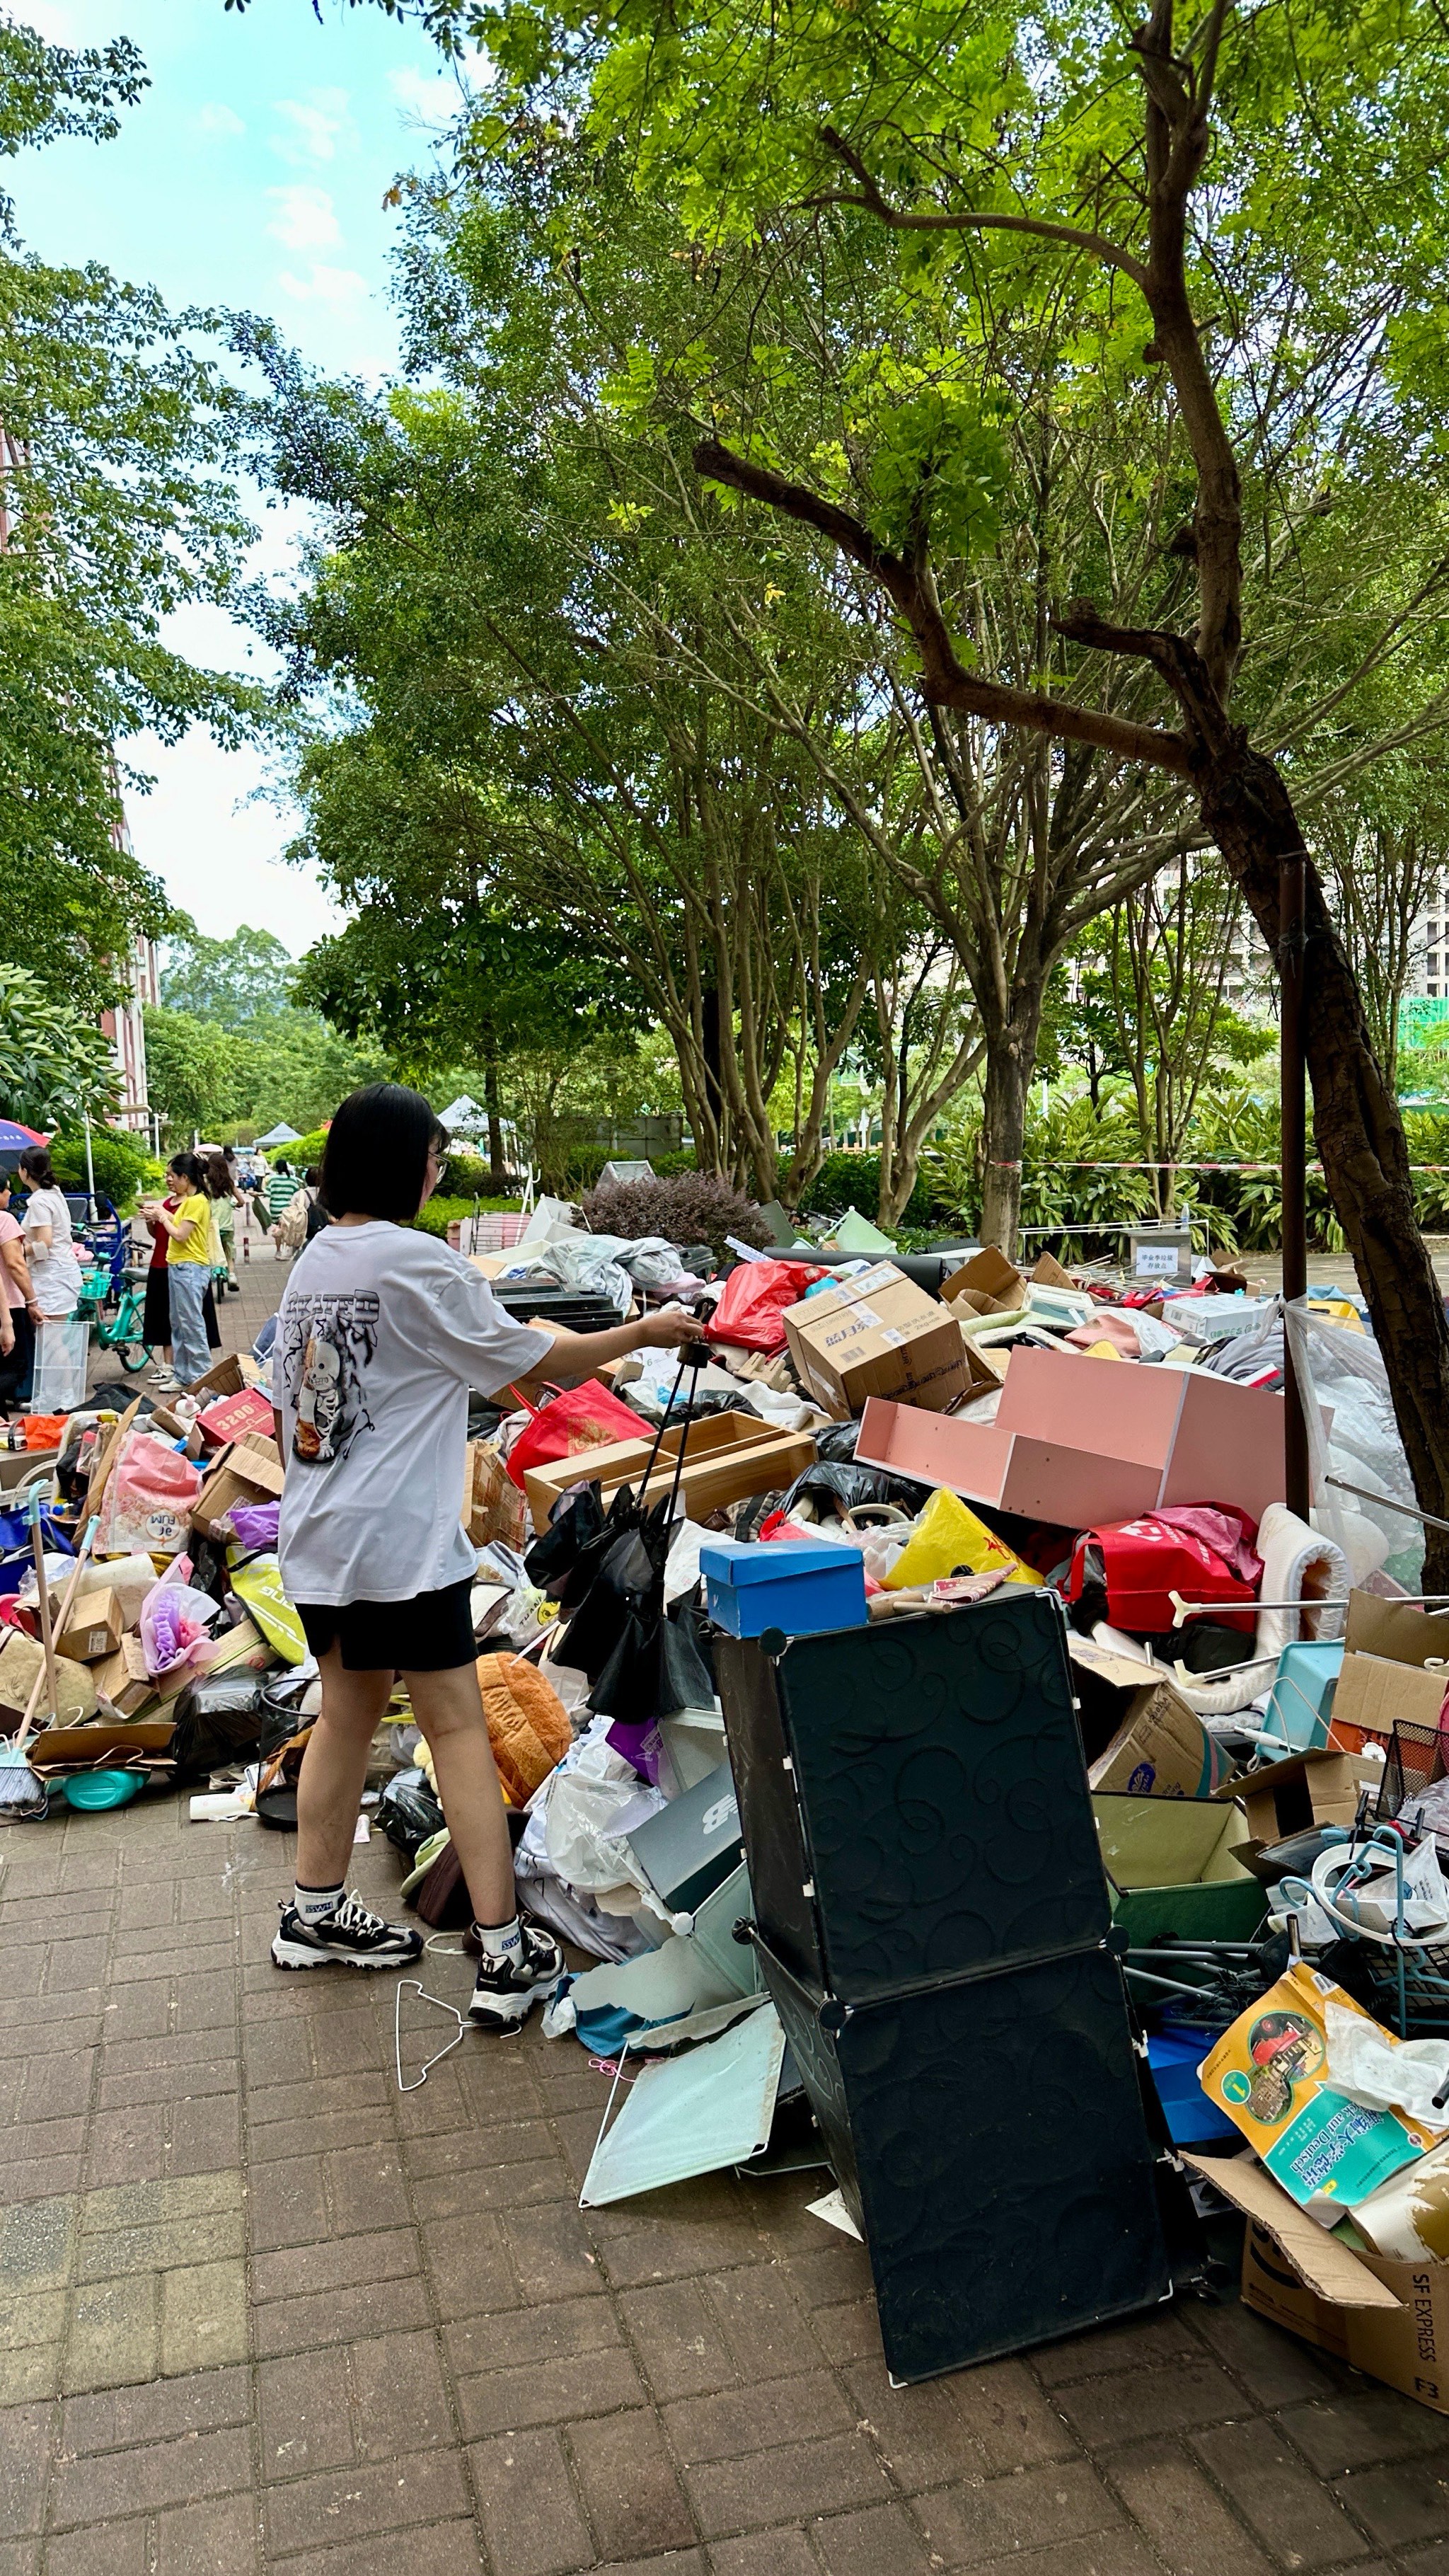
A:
{"points": [[769, 1815], [939, 1776], [988, 2137]]}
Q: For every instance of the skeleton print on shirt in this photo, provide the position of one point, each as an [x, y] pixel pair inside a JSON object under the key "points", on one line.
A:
{"points": [[329, 1343]]}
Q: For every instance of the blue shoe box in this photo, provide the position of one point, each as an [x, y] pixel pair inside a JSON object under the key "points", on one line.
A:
{"points": [[1192, 2116], [800, 1589]]}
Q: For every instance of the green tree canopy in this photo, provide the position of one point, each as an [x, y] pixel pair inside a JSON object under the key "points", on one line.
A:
{"points": [[117, 505], [232, 980]]}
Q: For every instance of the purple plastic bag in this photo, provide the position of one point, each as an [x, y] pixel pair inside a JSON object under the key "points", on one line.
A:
{"points": [[255, 1524], [640, 1745]]}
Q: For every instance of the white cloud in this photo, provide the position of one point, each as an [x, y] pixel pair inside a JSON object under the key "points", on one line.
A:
{"points": [[306, 218], [313, 127], [49, 20], [325, 285], [431, 96], [217, 118]]}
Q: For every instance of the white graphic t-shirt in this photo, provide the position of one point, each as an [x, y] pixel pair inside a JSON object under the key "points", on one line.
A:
{"points": [[380, 1335]]}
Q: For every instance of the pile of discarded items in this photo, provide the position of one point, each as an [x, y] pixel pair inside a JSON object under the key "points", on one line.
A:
{"points": [[967, 1777]]}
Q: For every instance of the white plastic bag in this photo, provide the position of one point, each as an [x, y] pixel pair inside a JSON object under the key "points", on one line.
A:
{"points": [[1342, 1372]]}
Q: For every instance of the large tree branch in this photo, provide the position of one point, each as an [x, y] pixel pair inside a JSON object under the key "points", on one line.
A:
{"points": [[908, 585], [923, 220]]}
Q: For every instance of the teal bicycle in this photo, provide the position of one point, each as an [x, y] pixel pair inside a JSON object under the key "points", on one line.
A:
{"points": [[117, 1308]]}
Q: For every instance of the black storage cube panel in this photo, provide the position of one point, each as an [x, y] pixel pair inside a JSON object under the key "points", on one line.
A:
{"points": [[914, 1797], [988, 2139]]}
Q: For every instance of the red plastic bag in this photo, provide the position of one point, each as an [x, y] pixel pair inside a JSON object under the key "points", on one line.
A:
{"points": [[751, 1310], [1143, 1562], [583, 1417]]}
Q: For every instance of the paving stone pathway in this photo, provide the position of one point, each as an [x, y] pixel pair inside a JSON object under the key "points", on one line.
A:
{"points": [[258, 2310]]}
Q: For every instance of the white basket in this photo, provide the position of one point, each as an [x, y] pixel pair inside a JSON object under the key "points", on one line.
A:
{"points": [[62, 1353]]}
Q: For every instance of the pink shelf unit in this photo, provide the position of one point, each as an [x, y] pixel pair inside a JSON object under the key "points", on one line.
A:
{"points": [[1081, 1441]]}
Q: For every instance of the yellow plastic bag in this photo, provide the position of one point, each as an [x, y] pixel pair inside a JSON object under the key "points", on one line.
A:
{"points": [[947, 1535], [259, 1584]]}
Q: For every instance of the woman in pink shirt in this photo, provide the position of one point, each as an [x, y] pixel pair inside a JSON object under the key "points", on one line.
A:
{"points": [[17, 1305]]}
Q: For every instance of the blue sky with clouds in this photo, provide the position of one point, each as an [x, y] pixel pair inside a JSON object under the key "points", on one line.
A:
{"points": [[252, 175]]}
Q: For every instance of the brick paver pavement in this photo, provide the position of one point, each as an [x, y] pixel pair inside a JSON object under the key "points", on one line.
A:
{"points": [[259, 2310]]}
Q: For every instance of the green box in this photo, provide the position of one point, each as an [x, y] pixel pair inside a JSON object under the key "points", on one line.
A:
{"points": [[1171, 1869]]}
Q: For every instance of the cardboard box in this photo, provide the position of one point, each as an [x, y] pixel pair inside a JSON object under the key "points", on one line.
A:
{"points": [[250, 1471], [876, 1335], [988, 1284], [120, 1686], [1161, 1749], [21, 1658], [803, 1589], [248, 1410], [493, 1507], [1308, 1789], [729, 1456], [1170, 1864], [1079, 1441], [1390, 2320], [94, 1629], [94, 1746], [1372, 1694], [1395, 1629]]}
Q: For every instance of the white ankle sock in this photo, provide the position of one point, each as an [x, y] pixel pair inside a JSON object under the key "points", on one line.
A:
{"points": [[501, 1940], [313, 1902]]}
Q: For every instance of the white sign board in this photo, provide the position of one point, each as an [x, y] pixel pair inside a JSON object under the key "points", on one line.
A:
{"points": [[1156, 1261]]}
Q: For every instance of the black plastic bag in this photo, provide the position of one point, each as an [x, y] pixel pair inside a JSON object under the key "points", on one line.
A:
{"points": [[218, 1720], [655, 1669], [622, 1583], [844, 1484], [408, 1812], [284, 1707]]}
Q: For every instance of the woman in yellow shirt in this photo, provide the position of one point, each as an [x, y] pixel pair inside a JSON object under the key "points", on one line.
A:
{"points": [[188, 1264]]}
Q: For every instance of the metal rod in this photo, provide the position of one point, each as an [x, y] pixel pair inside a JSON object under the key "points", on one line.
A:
{"points": [[1410, 1511], [1291, 893]]}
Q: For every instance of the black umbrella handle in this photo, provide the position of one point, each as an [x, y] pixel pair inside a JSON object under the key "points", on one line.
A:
{"points": [[693, 1357], [659, 1434]]}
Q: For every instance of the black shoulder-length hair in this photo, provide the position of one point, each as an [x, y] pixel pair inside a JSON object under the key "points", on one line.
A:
{"points": [[35, 1163], [375, 1162]]}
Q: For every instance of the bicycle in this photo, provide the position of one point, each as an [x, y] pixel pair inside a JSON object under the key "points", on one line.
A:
{"points": [[118, 1311]]}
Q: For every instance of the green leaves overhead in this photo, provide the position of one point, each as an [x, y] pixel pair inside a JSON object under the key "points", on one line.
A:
{"points": [[119, 506]]}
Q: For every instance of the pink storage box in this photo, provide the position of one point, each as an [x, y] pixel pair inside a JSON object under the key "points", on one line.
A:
{"points": [[1079, 1441]]}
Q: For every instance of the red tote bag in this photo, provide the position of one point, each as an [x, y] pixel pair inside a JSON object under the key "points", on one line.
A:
{"points": [[578, 1418]]}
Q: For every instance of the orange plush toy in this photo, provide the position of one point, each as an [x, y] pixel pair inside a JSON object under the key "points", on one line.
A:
{"points": [[528, 1725]]}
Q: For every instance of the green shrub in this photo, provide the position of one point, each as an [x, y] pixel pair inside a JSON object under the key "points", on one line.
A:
{"points": [[303, 1155], [850, 1178], [124, 1165]]}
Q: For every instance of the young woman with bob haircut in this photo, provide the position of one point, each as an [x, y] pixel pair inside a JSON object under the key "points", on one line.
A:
{"points": [[381, 1333]]}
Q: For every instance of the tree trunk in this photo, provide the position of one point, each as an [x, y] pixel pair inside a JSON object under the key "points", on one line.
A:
{"points": [[1356, 1124], [713, 1058], [497, 1168], [1010, 1056]]}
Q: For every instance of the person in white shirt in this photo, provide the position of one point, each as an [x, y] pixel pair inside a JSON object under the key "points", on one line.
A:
{"points": [[49, 1241], [381, 1332]]}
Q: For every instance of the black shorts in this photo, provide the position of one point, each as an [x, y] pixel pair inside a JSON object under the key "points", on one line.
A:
{"points": [[432, 1633]]}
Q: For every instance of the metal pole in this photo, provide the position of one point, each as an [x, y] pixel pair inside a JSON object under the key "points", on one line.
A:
{"points": [[1291, 890], [90, 1172]]}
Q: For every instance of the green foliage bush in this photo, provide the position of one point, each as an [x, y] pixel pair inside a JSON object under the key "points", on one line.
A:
{"points": [[849, 1178], [467, 1176], [122, 1163], [302, 1155]]}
